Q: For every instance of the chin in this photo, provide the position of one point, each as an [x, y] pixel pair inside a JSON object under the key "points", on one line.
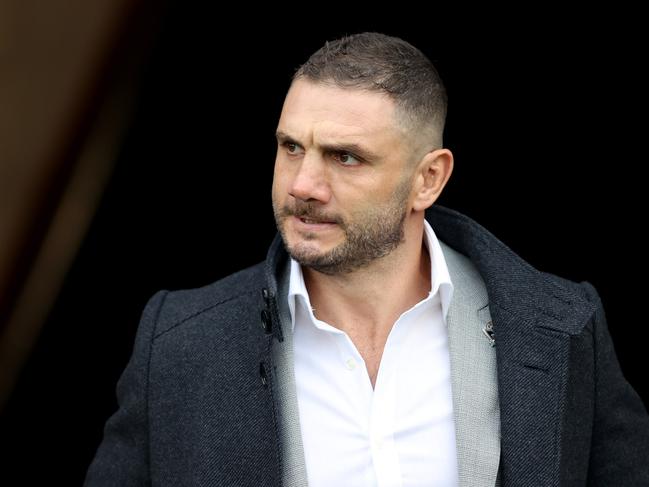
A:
{"points": [[306, 251], [306, 248]]}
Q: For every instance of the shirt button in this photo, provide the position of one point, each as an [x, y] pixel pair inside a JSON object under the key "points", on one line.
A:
{"points": [[350, 363]]}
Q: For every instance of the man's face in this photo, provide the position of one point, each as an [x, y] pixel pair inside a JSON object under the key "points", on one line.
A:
{"points": [[341, 191]]}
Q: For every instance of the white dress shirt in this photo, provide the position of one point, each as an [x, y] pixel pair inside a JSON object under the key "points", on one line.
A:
{"points": [[399, 433]]}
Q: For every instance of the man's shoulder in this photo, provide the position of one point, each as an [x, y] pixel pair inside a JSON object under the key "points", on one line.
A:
{"points": [[583, 289], [226, 297]]}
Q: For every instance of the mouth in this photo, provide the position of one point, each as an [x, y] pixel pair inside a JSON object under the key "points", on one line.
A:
{"points": [[312, 221], [312, 224]]}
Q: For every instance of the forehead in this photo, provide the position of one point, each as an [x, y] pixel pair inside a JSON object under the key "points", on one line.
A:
{"points": [[317, 110]]}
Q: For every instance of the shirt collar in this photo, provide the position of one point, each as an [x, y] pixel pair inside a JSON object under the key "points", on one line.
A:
{"points": [[440, 279]]}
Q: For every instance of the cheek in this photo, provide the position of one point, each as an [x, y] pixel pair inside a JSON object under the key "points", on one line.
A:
{"points": [[277, 194], [279, 188], [278, 177], [373, 200]]}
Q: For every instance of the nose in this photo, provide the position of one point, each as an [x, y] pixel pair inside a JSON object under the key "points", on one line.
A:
{"points": [[310, 181]]}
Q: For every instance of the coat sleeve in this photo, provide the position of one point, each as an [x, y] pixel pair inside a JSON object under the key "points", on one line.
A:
{"points": [[620, 441], [122, 458]]}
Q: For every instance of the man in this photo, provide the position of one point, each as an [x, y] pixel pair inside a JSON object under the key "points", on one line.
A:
{"points": [[384, 341]]}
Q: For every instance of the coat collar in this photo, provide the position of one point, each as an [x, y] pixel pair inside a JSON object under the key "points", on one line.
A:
{"points": [[512, 284], [276, 262]]}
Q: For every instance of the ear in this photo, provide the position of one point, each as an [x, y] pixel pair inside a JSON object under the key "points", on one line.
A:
{"points": [[432, 174]]}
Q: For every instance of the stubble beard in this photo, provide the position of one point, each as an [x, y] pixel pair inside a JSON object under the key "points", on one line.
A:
{"points": [[373, 234]]}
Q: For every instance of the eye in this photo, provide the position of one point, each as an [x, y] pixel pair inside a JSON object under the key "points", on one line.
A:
{"points": [[346, 159], [291, 147]]}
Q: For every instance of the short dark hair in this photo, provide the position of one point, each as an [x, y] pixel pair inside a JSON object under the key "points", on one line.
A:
{"points": [[377, 62]]}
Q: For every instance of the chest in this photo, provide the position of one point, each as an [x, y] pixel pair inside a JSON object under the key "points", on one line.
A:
{"points": [[371, 418]]}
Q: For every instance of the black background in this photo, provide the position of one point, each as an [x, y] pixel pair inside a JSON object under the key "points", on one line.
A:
{"points": [[546, 121]]}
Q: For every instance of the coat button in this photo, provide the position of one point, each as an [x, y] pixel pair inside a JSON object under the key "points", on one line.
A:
{"points": [[265, 321], [266, 295], [262, 374]]}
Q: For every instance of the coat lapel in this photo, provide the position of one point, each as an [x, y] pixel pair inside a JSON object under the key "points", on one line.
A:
{"points": [[288, 417], [532, 371], [534, 317], [473, 375]]}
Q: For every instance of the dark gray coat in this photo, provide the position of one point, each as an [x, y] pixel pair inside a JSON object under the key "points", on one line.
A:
{"points": [[196, 403]]}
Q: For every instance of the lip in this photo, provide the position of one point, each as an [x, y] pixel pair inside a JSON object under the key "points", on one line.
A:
{"points": [[312, 227]]}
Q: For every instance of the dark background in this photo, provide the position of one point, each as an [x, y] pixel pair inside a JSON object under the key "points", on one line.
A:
{"points": [[546, 121]]}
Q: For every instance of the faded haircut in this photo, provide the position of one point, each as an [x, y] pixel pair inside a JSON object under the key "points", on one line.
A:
{"points": [[380, 63]]}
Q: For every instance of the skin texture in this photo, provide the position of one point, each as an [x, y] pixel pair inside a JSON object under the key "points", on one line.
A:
{"points": [[349, 193]]}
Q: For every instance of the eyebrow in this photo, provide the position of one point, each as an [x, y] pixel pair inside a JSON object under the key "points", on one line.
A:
{"points": [[352, 148]]}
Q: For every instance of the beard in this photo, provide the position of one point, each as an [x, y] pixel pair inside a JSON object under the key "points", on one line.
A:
{"points": [[369, 234]]}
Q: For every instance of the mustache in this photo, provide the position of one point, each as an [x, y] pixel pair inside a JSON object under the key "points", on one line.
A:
{"points": [[310, 211]]}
